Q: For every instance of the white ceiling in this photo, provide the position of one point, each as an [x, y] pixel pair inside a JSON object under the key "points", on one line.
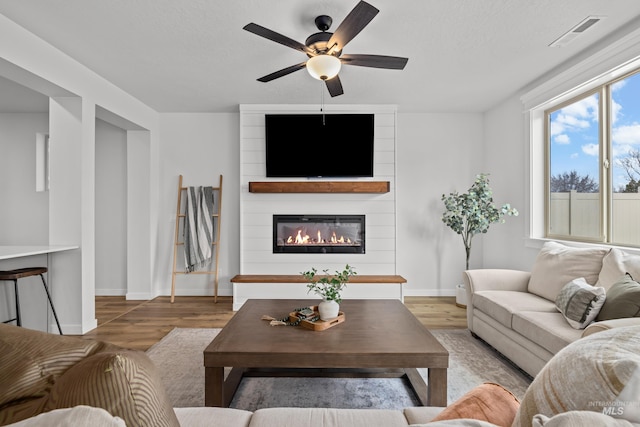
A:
{"points": [[194, 56]]}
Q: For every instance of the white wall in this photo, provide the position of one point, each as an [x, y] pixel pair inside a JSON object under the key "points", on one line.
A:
{"points": [[111, 209], [200, 147], [26, 210], [23, 207], [436, 154], [506, 156]]}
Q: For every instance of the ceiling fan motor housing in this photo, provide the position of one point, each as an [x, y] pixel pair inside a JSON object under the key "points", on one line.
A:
{"points": [[318, 43]]}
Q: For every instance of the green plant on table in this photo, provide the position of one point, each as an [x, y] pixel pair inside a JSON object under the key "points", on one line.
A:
{"points": [[329, 286], [473, 212]]}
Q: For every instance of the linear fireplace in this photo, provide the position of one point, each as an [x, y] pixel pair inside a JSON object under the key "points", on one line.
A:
{"points": [[319, 234]]}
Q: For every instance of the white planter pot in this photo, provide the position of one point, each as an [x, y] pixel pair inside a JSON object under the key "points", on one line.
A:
{"points": [[328, 310], [461, 296]]}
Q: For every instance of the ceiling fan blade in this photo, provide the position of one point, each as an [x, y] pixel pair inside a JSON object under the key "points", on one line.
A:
{"points": [[283, 72], [356, 20], [276, 37], [334, 86], [375, 61]]}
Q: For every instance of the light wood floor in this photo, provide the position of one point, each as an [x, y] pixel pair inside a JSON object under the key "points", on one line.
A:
{"points": [[140, 324]]}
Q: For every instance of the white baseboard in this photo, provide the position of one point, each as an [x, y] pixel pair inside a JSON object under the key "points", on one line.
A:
{"points": [[132, 296], [73, 329], [429, 292], [110, 292]]}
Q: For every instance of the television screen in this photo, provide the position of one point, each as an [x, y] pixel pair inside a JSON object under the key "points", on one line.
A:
{"points": [[319, 146]]}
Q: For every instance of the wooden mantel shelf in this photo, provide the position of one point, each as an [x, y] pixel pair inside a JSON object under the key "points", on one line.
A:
{"points": [[319, 187]]}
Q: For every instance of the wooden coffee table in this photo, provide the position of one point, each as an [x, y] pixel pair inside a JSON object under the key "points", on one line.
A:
{"points": [[379, 338]]}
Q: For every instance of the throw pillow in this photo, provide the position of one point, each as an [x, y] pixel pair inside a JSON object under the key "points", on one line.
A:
{"points": [[557, 264], [125, 383], [580, 303], [488, 402], [30, 362], [623, 300], [615, 264], [599, 373]]}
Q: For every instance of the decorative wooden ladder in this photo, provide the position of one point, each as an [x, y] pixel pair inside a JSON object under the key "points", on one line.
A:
{"points": [[180, 214]]}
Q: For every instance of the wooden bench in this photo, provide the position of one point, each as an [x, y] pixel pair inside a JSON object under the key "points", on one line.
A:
{"points": [[287, 286]]}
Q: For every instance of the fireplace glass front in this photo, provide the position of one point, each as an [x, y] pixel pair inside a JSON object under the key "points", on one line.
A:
{"points": [[319, 234]]}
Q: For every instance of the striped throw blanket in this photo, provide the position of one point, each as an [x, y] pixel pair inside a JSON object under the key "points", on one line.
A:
{"points": [[198, 227]]}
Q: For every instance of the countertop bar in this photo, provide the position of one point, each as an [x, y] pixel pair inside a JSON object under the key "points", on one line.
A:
{"points": [[9, 252]]}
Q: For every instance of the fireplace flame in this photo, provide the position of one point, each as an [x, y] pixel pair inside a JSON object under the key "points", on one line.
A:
{"points": [[301, 239]]}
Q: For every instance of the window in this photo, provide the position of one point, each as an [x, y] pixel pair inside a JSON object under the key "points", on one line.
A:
{"points": [[593, 165]]}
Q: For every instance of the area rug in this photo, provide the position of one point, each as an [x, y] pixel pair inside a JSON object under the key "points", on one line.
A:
{"points": [[471, 362]]}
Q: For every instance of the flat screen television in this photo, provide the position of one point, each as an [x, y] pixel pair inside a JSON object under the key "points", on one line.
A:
{"points": [[313, 146]]}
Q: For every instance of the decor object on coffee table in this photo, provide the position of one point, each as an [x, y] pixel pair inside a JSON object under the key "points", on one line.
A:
{"points": [[329, 288]]}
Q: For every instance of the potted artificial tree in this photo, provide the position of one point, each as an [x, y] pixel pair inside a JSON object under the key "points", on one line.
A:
{"points": [[329, 288], [473, 212]]}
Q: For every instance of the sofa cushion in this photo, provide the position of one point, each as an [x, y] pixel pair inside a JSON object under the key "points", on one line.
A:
{"points": [[599, 373], [125, 383], [279, 417], [73, 417], [421, 414], [205, 416], [501, 305], [487, 402], [615, 265], [580, 303], [579, 419], [557, 264], [549, 330], [623, 300], [605, 325]]}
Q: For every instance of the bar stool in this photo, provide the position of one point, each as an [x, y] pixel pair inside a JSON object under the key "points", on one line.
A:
{"points": [[21, 273]]}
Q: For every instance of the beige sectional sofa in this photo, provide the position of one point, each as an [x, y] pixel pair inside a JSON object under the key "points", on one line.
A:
{"points": [[515, 311], [51, 380], [44, 376], [593, 381]]}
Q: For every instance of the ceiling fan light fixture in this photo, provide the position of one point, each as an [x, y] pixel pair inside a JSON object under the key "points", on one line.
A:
{"points": [[323, 67]]}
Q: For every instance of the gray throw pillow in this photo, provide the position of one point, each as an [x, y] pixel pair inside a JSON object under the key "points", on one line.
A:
{"points": [[623, 300], [580, 303]]}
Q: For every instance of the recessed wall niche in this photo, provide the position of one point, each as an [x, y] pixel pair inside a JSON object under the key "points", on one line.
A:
{"points": [[42, 162]]}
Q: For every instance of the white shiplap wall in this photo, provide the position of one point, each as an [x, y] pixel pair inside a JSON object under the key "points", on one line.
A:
{"points": [[257, 210]]}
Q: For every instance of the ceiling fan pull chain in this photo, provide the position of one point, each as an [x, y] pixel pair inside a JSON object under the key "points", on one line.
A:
{"points": [[322, 100]]}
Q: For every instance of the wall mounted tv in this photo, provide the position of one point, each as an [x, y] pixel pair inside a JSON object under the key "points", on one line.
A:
{"points": [[319, 146]]}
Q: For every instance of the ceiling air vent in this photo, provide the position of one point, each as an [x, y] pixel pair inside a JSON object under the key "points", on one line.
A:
{"points": [[576, 31]]}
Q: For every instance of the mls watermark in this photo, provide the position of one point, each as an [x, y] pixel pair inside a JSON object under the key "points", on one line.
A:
{"points": [[613, 408]]}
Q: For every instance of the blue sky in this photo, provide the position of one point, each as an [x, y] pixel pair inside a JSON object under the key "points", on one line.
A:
{"points": [[574, 132]]}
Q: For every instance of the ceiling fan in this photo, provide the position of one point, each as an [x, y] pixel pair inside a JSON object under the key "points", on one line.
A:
{"points": [[324, 49]]}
